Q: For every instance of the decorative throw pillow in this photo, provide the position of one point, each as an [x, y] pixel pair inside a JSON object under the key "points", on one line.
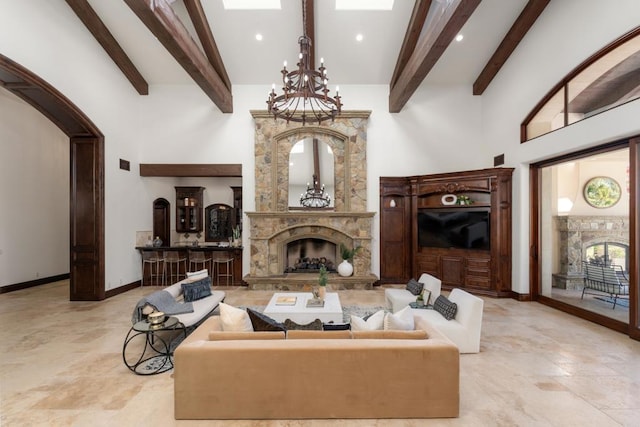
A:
{"points": [[197, 275], [336, 326], [196, 290], [399, 321], [374, 322], [445, 307], [415, 287], [234, 319], [262, 322], [316, 325]]}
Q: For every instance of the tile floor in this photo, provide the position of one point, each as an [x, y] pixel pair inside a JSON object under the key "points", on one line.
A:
{"points": [[61, 365]]}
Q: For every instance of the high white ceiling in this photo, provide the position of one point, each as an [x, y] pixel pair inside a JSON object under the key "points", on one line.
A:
{"points": [[371, 61]]}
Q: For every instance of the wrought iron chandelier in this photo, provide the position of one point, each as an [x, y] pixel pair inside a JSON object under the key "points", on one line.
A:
{"points": [[305, 96], [315, 196]]}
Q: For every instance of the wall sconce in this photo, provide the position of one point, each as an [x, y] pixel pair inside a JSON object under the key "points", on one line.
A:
{"points": [[392, 203]]}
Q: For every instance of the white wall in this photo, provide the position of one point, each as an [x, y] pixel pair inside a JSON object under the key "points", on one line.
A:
{"points": [[441, 129], [566, 33], [34, 194]]}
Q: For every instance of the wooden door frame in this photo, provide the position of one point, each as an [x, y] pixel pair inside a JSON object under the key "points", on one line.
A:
{"points": [[535, 284], [86, 204]]}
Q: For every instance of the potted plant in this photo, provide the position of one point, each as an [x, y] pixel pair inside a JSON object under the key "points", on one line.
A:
{"points": [[346, 268], [323, 278], [420, 300], [236, 235]]}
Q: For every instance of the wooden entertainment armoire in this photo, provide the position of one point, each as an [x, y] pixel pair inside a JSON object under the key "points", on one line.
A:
{"points": [[423, 229]]}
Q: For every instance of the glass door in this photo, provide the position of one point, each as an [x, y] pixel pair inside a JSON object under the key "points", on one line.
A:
{"points": [[583, 220]]}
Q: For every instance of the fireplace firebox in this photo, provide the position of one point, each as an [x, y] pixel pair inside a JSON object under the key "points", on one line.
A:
{"points": [[309, 254]]}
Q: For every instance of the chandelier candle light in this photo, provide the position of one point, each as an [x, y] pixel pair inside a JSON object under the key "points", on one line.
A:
{"points": [[305, 96]]}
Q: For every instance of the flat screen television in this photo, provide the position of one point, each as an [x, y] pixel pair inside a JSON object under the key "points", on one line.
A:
{"points": [[454, 228]]}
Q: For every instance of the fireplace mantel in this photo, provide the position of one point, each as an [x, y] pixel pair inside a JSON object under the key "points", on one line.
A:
{"points": [[273, 225]]}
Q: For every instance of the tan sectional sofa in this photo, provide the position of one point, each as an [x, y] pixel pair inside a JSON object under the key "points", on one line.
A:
{"points": [[315, 374]]}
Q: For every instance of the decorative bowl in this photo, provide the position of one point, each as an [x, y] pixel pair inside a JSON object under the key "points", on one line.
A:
{"points": [[156, 318]]}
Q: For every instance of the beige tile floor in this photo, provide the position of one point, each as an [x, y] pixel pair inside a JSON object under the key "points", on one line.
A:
{"points": [[61, 365]]}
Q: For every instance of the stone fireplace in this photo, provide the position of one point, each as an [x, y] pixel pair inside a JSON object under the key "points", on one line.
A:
{"points": [[575, 234], [275, 227]]}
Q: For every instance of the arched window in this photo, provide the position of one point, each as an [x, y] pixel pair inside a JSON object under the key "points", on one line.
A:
{"points": [[609, 78]]}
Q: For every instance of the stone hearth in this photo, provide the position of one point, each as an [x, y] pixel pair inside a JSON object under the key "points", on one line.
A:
{"points": [[273, 225]]}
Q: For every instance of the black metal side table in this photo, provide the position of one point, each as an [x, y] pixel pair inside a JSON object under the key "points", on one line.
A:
{"points": [[156, 355]]}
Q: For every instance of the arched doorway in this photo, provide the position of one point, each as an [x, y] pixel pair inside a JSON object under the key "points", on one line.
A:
{"points": [[86, 213], [162, 220]]}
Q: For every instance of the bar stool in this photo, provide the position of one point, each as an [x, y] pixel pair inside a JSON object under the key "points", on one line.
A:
{"points": [[153, 260], [198, 261], [172, 261], [219, 259]]}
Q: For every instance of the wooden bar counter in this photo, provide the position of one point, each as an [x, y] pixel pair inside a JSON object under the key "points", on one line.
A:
{"points": [[234, 252]]}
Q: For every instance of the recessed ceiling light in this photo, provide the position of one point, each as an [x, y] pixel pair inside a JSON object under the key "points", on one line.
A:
{"points": [[359, 37], [364, 4], [459, 37], [251, 4], [259, 37]]}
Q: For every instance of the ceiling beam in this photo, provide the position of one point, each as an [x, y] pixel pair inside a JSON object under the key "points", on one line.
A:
{"points": [[161, 20], [516, 33], [418, 18], [203, 29], [94, 24], [429, 49], [309, 24]]}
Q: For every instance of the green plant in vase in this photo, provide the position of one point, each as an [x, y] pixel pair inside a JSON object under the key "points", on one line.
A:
{"points": [[323, 278], [464, 200], [346, 268], [236, 235]]}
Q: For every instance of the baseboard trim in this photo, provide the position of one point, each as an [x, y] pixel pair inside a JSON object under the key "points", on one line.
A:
{"points": [[33, 283], [122, 289]]}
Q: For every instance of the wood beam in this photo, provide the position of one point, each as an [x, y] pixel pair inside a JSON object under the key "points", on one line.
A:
{"points": [[516, 33], [309, 24], [94, 24], [411, 37], [203, 29], [162, 21], [429, 50], [197, 170]]}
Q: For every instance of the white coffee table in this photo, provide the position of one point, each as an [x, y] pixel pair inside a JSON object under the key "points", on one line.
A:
{"points": [[299, 312]]}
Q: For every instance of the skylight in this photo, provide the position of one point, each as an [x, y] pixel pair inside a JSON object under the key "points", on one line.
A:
{"points": [[251, 4], [364, 4]]}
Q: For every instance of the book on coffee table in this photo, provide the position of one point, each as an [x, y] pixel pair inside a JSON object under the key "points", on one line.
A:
{"points": [[286, 301], [315, 303]]}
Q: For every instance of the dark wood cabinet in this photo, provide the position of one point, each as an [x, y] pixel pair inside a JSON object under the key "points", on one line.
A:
{"points": [[189, 209], [423, 232]]}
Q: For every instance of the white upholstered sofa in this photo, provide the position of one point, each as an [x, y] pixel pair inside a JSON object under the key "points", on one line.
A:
{"points": [[172, 297], [397, 299], [465, 328]]}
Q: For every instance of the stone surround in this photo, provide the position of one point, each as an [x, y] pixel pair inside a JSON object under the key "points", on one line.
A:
{"points": [[575, 234], [273, 225]]}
